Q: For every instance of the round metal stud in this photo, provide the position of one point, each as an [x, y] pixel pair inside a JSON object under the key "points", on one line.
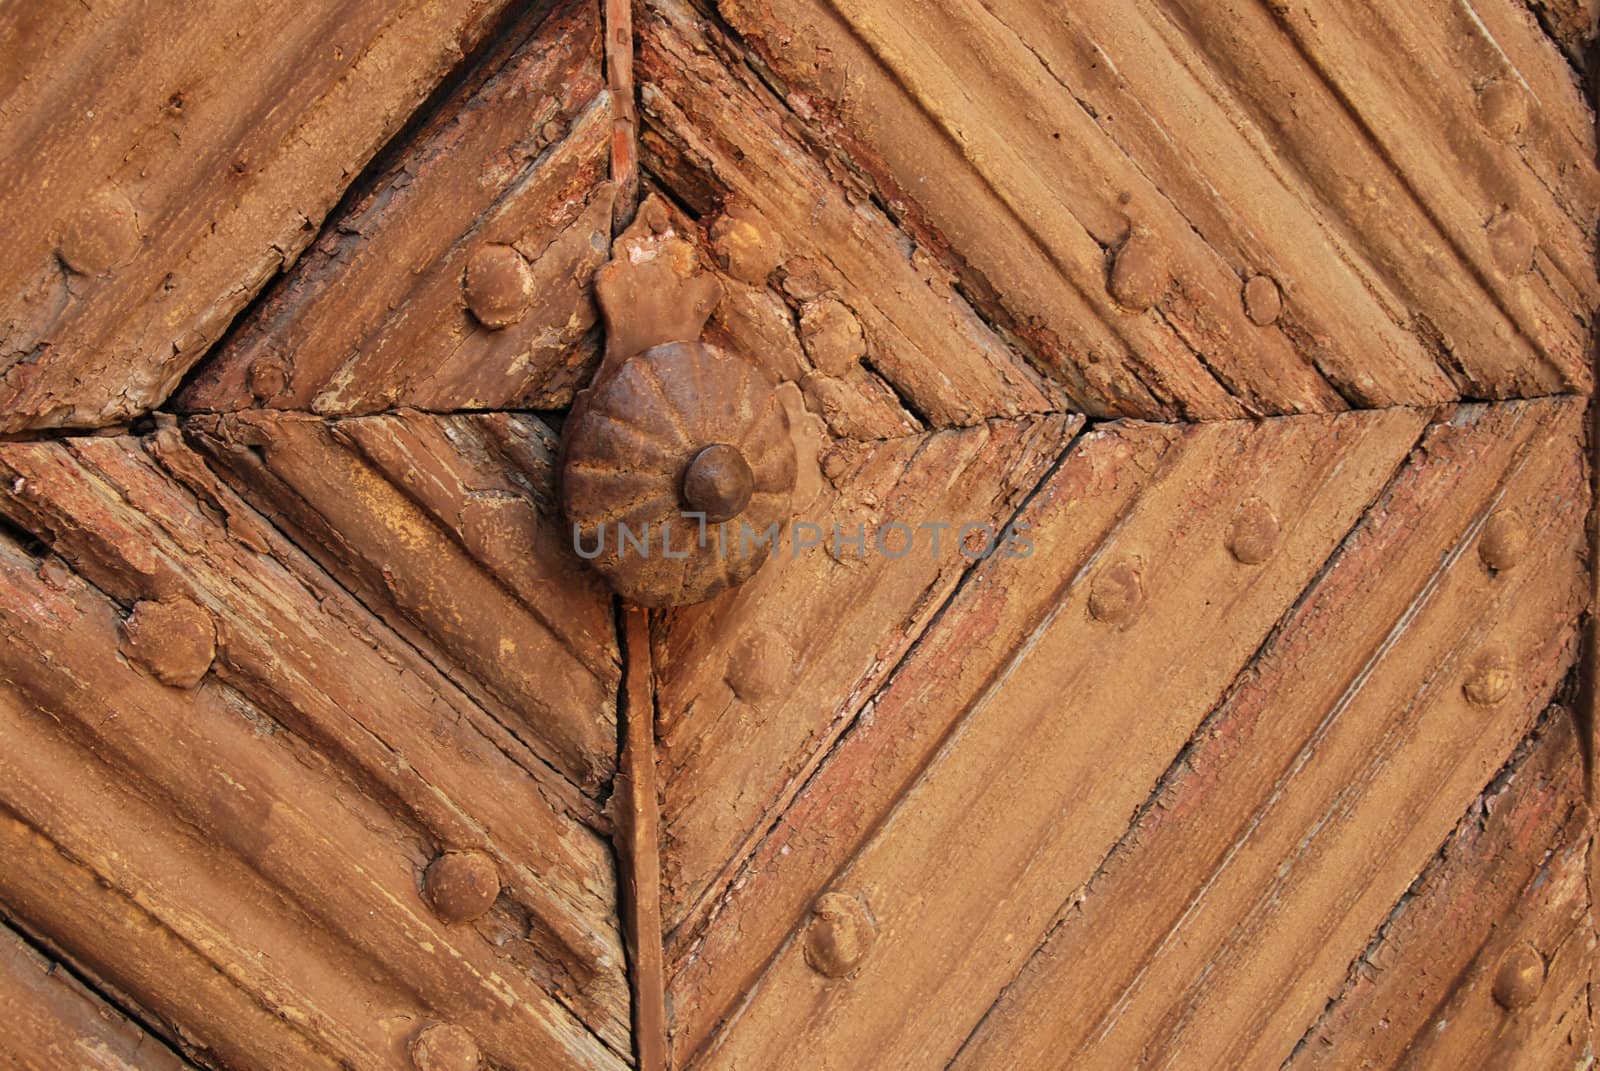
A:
{"points": [[839, 935], [718, 483], [462, 886], [1519, 978]]}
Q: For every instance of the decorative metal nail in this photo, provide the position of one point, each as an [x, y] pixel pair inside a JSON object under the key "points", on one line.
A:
{"points": [[839, 935], [498, 285], [1116, 594], [1512, 242], [759, 666], [1519, 978], [1253, 534], [1503, 108], [1263, 302], [1138, 271], [744, 246], [1501, 543], [101, 235], [175, 639], [832, 336], [445, 1047], [269, 378], [1488, 679], [462, 886]]}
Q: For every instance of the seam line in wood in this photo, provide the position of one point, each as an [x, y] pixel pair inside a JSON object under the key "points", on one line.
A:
{"points": [[618, 18], [637, 823]]}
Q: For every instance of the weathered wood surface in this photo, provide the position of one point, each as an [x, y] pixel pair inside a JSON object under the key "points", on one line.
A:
{"points": [[259, 841], [1512, 879], [1170, 791], [968, 850], [1225, 917], [161, 162], [1572, 23], [1415, 184], [446, 527], [756, 685], [54, 1024], [713, 134], [377, 315]]}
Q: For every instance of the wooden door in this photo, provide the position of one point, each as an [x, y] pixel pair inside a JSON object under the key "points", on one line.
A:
{"points": [[1265, 328]]}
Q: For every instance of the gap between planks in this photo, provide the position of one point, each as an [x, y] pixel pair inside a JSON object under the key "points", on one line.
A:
{"points": [[637, 820], [617, 17], [636, 813]]}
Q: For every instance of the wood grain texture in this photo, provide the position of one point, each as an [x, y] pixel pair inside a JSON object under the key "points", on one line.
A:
{"points": [[176, 159], [1513, 875], [288, 805], [713, 134], [1571, 23], [1416, 185], [1222, 921], [53, 1023], [447, 528], [755, 686], [927, 807], [849, 396], [518, 157]]}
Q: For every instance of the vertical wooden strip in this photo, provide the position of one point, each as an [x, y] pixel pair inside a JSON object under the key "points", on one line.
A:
{"points": [[1588, 706], [637, 821], [624, 123]]}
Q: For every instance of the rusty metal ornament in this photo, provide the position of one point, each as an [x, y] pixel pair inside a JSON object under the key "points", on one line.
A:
{"points": [[677, 461]]}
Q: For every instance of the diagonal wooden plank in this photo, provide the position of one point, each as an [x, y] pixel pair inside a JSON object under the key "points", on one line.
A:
{"points": [[1441, 265], [713, 135], [1444, 140], [161, 163], [990, 775], [444, 527], [755, 686], [377, 314], [300, 889], [56, 1024], [327, 719], [1439, 157], [1449, 981], [105, 929], [1223, 920], [1039, 194]]}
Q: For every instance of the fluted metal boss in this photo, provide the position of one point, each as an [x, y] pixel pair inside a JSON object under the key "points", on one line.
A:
{"points": [[677, 459]]}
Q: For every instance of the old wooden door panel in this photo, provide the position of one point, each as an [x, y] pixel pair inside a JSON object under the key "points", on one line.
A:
{"points": [[1511, 880], [161, 167], [1170, 791], [1069, 672], [715, 133], [1337, 750], [756, 686], [323, 764], [374, 317], [439, 524], [1330, 774], [59, 1024], [1205, 141]]}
